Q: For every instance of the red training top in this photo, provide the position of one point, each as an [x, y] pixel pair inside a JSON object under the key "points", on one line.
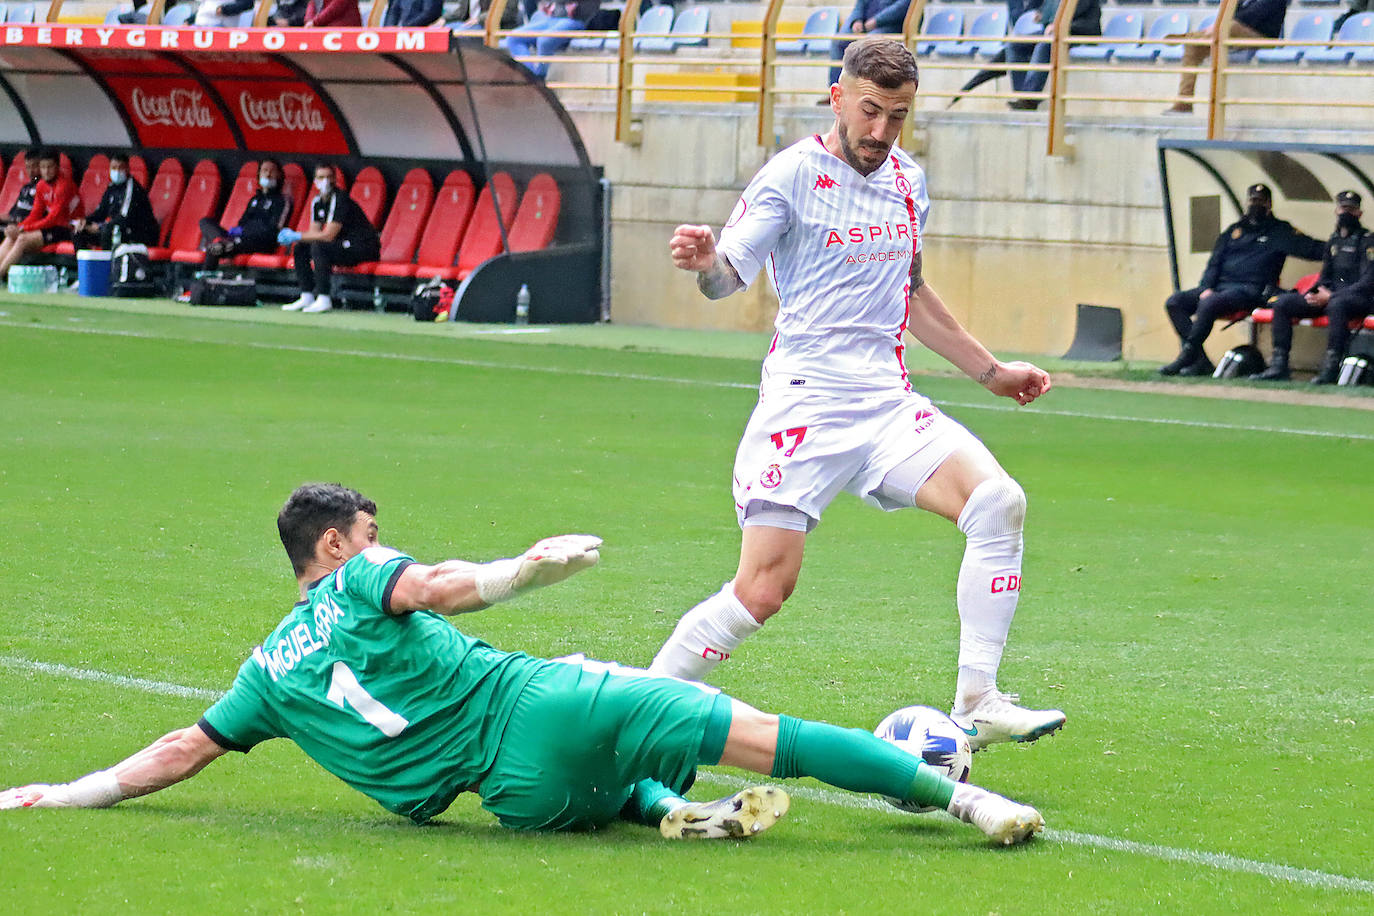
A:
{"points": [[53, 205], [333, 12]]}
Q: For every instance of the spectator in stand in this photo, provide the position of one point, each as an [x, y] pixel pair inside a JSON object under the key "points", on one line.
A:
{"points": [[23, 205], [217, 13], [55, 206], [123, 216], [868, 17], [1087, 20], [548, 16], [136, 17], [1344, 292], [257, 230], [339, 234], [324, 13], [471, 16], [413, 14], [290, 13], [1245, 264], [1253, 19]]}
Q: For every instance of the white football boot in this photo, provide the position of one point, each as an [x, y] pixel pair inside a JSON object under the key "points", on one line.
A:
{"points": [[747, 813], [321, 304], [998, 718], [1004, 821], [300, 303]]}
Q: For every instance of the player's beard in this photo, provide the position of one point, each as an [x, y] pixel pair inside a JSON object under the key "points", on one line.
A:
{"points": [[852, 157]]}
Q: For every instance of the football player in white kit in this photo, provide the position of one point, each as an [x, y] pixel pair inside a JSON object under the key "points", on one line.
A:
{"points": [[837, 221]]}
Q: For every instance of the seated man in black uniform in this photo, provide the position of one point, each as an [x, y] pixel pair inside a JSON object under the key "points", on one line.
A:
{"points": [[1245, 263], [1343, 292], [257, 230], [339, 234], [124, 215], [23, 204]]}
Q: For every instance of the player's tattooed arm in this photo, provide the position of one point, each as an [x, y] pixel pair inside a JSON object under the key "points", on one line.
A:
{"points": [[719, 280], [917, 277], [988, 374]]}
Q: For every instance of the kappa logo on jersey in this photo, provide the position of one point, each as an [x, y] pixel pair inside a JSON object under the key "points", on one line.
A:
{"points": [[825, 183], [771, 476]]}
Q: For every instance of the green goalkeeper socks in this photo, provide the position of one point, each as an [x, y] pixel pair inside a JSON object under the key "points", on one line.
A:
{"points": [[853, 759], [649, 802]]}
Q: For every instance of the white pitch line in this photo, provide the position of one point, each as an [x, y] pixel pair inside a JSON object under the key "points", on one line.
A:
{"points": [[1220, 861], [706, 383]]}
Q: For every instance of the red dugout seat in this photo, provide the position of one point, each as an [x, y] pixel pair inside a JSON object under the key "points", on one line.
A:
{"points": [[537, 219], [401, 233], [15, 179], [369, 192], [482, 240], [297, 189], [138, 170], [447, 223], [94, 181], [198, 202], [165, 194], [245, 186]]}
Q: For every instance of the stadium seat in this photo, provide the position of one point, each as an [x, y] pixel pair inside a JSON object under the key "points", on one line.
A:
{"points": [[369, 193], [64, 165], [181, 14], [690, 28], [297, 189], [482, 240], [138, 169], [1126, 28], [984, 36], [1356, 28], [242, 191], [1175, 52], [21, 14], [656, 19], [169, 183], [15, 179], [197, 202], [945, 23], [401, 232], [1309, 27], [537, 219], [818, 31], [448, 221], [1169, 25], [94, 181]]}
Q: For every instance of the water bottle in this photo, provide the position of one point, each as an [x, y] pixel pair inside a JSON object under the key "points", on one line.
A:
{"points": [[522, 304]]}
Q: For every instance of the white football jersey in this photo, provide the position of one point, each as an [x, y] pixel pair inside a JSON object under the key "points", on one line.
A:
{"points": [[838, 248]]}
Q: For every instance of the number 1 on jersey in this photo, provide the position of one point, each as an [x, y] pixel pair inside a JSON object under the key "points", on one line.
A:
{"points": [[343, 685]]}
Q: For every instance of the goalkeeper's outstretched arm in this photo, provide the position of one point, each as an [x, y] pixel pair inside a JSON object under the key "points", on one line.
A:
{"points": [[167, 761], [456, 586]]}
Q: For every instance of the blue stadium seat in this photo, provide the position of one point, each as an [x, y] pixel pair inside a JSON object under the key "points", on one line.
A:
{"points": [[1175, 52], [941, 24], [181, 14], [21, 13], [690, 27], [1356, 28], [1127, 26], [1169, 25], [989, 24], [654, 19], [820, 29], [1309, 27]]}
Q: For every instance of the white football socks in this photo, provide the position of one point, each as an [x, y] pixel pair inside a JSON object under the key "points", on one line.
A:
{"points": [[705, 637], [989, 584]]}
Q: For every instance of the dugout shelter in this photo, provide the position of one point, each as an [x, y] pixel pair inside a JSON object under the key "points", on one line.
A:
{"points": [[391, 100]]}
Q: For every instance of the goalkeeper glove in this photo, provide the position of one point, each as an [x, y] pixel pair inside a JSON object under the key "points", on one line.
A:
{"points": [[551, 560]]}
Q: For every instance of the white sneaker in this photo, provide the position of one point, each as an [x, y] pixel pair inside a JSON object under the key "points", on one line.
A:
{"points": [[321, 304], [305, 300], [1004, 821], [998, 718], [747, 813]]}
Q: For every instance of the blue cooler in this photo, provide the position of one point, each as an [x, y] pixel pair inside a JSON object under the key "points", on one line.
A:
{"points": [[93, 273]]}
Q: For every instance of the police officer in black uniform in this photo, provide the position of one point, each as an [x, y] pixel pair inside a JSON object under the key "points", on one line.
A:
{"points": [[262, 219], [1344, 287], [339, 234], [1245, 264]]}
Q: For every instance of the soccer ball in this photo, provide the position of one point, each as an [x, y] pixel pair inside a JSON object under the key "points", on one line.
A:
{"points": [[932, 736]]}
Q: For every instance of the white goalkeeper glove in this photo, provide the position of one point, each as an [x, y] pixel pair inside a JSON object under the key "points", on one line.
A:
{"points": [[97, 790], [549, 561]]}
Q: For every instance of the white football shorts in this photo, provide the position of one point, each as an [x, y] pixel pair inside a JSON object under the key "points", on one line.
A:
{"points": [[802, 450]]}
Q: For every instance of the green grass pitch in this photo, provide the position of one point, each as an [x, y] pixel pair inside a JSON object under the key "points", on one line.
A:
{"points": [[1197, 599]]}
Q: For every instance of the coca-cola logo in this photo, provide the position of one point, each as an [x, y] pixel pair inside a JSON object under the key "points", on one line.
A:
{"points": [[176, 108], [284, 111]]}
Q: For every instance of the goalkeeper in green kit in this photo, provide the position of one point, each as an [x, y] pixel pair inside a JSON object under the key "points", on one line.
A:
{"points": [[374, 685]]}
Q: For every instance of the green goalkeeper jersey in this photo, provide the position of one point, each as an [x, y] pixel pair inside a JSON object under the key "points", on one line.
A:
{"points": [[404, 708]]}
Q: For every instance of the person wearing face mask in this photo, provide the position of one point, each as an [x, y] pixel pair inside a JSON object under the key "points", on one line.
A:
{"points": [[256, 232], [339, 235], [124, 214], [56, 207], [1344, 291], [1244, 267]]}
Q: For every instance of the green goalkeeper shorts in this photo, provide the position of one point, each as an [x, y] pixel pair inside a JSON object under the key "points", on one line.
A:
{"points": [[584, 732]]}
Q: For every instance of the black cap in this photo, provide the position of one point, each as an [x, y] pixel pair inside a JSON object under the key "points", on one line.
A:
{"points": [[1348, 199], [1259, 190]]}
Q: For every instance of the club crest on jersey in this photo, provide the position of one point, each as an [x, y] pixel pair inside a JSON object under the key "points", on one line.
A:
{"points": [[903, 185], [771, 477], [825, 183]]}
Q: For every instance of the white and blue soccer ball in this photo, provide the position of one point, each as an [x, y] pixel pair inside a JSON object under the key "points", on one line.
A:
{"points": [[932, 736]]}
